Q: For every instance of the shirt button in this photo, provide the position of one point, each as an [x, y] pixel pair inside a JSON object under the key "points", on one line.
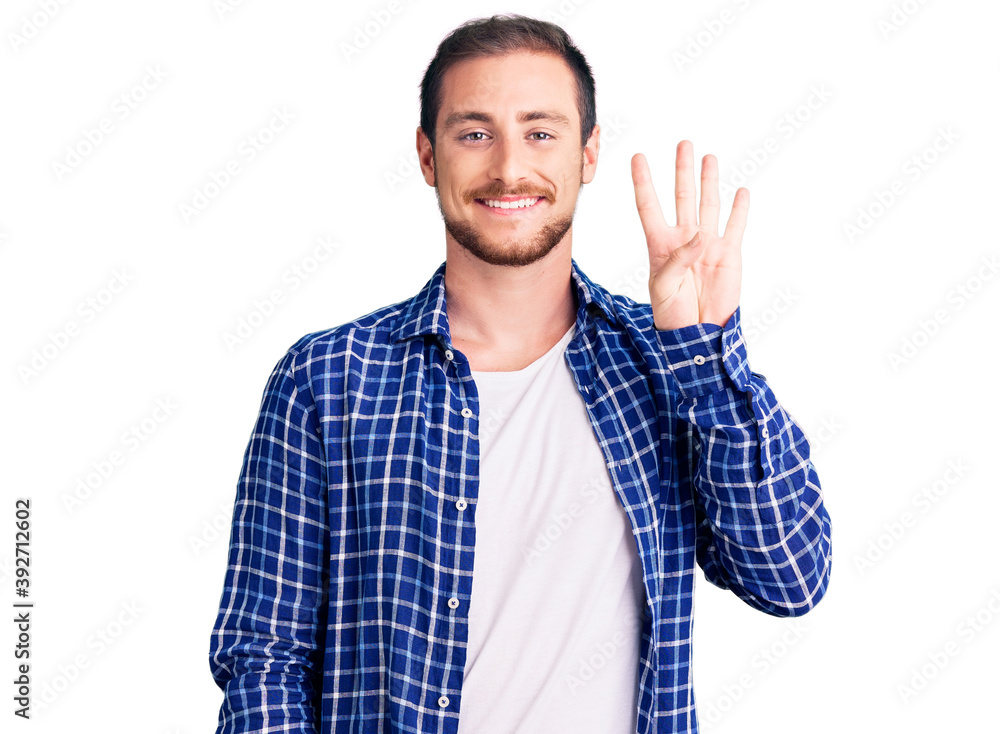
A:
{"points": [[443, 702], [467, 412], [448, 354], [453, 603], [764, 433], [698, 359], [461, 504]]}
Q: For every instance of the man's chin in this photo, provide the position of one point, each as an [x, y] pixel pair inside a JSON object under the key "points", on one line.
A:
{"points": [[509, 253]]}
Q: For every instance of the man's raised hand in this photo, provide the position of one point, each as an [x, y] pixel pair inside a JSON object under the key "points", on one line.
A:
{"points": [[694, 274]]}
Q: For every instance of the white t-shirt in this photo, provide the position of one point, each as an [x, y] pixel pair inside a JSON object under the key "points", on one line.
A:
{"points": [[557, 593]]}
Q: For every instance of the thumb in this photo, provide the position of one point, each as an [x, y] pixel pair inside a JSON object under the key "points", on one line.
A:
{"points": [[679, 260]]}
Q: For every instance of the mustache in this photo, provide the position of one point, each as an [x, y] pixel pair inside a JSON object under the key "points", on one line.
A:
{"points": [[497, 190]]}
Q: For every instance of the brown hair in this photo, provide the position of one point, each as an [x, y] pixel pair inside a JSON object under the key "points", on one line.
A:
{"points": [[497, 36]]}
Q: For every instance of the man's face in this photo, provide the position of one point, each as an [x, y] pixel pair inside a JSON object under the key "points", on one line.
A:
{"points": [[508, 133]]}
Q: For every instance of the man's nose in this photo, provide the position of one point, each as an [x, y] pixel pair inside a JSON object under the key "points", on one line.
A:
{"points": [[507, 163]]}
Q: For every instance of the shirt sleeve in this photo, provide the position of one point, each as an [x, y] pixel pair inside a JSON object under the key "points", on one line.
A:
{"points": [[763, 530], [266, 647]]}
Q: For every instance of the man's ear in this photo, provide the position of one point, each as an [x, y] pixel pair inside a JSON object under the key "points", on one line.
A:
{"points": [[590, 151], [425, 152]]}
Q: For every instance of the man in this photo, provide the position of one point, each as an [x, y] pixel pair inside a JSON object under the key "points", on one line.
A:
{"points": [[480, 509]]}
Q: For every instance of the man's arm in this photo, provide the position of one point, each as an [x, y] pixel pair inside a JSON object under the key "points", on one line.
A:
{"points": [[763, 530], [267, 643]]}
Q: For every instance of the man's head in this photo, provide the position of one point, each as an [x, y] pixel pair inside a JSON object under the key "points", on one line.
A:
{"points": [[498, 36], [504, 104]]}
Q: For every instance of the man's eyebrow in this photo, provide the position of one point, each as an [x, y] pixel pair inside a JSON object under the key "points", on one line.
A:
{"points": [[556, 118]]}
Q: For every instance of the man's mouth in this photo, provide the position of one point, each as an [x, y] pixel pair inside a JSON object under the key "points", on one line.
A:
{"points": [[510, 203]]}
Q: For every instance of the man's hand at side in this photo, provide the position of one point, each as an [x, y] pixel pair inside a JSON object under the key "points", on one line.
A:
{"points": [[694, 274]]}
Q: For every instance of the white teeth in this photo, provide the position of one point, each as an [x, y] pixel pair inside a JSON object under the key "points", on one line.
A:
{"points": [[518, 204]]}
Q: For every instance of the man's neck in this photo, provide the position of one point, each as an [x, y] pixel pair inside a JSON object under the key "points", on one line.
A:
{"points": [[504, 318]]}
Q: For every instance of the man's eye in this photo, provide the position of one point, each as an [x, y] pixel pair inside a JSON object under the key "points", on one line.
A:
{"points": [[547, 136], [468, 136]]}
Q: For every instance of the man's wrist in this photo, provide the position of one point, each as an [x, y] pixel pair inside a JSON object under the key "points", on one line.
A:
{"points": [[661, 323], [706, 358]]}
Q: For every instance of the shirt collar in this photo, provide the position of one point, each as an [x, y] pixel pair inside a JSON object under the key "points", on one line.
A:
{"points": [[426, 312]]}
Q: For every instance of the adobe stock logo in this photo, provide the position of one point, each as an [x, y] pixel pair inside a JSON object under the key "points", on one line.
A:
{"points": [[896, 528], [788, 125], [900, 16], [711, 30], [247, 150], [62, 338], [97, 644], [937, 660], [90, 139], [365, 33], [956, 299], [761, 664], [31, 25], [225, 7], [293, 278], [914, 168], [107, 465]]}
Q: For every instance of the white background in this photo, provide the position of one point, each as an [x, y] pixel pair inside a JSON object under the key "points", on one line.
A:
{"points": [[140, 557]]}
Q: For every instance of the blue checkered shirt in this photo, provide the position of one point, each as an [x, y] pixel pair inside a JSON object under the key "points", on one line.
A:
{"points": [[355, 515]]}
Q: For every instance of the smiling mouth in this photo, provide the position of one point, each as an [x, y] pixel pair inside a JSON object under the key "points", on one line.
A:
{"points": [[510, 204]]}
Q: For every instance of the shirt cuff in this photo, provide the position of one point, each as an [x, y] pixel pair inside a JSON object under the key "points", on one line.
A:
{"points": [[706, 358]]}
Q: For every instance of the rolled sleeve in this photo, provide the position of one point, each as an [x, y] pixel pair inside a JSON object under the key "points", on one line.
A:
{"points": [[706, 358], [266, 647], [765, 532]]}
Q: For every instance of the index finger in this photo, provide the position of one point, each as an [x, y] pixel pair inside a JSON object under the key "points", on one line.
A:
{"points": [[650, 213]]}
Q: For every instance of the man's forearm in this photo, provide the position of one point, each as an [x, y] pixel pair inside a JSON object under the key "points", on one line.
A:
{"points": [[758, 493], [265, 651]]}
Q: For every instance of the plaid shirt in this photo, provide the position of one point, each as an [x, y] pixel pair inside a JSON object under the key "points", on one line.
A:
{"points": [[346, 598]]}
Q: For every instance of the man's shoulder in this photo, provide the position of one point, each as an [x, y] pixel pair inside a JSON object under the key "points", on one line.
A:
{"points": [[380, 329], [373, 329]]}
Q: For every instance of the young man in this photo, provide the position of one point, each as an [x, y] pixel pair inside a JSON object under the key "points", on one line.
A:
{"points": [[480, 509]]}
